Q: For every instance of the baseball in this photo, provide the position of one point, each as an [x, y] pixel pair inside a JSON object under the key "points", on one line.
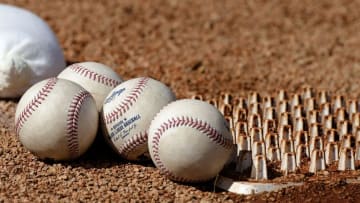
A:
{"points": [[128, 111], [190, 141], [96, 78], [56, 119], [29, 51]]}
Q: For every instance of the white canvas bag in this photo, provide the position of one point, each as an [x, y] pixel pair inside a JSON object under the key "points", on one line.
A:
{"points": [[29, 51]]}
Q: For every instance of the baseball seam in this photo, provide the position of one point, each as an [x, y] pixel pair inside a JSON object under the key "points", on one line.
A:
{"points": [[34, 104], [125, 105], [186, 121], [73, 121], [133, 142], [83, 71]]}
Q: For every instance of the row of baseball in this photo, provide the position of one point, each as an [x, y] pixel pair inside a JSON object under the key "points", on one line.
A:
{"points": [[57, 118]]}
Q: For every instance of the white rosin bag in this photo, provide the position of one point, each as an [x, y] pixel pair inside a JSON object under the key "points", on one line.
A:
{"points": [[29, 51]]}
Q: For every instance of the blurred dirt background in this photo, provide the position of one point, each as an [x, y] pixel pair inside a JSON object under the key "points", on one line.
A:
{"points": [[204, 47]]}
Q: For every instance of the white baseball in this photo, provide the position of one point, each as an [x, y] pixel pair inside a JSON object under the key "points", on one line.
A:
{"points": [[96, 78], [56, 119], [189, 141], [128, 111]]}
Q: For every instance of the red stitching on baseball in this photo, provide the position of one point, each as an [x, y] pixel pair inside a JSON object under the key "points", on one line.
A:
{"points": [[133, 142], [127, 103], [34, 104], [199, 125], [72, 122], [94, 76]]}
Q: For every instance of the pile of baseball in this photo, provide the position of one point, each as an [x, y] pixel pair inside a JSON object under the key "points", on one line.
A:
{"points": [[58, 118]]}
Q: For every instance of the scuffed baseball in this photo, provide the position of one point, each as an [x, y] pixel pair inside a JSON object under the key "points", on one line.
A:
{"points": [[29, 51], [56, 119], [96, 78], [128, 111], [189, 141]]}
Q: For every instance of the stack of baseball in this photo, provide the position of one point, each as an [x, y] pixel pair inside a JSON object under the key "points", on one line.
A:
{"points": [[57, 118]]}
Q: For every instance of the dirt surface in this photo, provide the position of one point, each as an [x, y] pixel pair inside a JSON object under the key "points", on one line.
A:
{"points": [[195, 47]]}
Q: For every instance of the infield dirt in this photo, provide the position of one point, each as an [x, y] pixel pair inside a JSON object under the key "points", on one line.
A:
{"points": [[195, 47]]}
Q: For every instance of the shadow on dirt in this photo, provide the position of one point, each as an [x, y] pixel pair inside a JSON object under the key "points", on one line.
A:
{"points": [[101, 155], [208, 186]]}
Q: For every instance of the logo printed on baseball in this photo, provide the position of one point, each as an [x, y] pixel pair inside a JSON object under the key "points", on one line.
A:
{"points": [[128, 101], [114, 95], [123, 128], [128, 111]]}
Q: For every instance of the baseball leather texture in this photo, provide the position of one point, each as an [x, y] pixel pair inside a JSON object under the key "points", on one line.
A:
{"points": [[128, 111], [56, 119], [96, 78], [190, 141]]}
